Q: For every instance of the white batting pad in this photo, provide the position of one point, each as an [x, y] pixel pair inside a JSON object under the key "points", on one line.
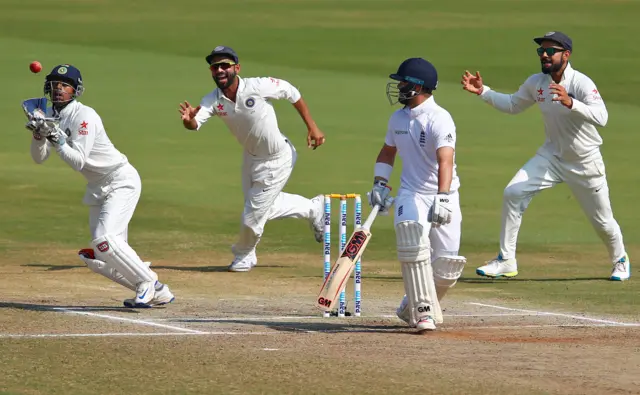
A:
{"points": [[446, 272], [117, 254], [414, 256], [110, 273]]}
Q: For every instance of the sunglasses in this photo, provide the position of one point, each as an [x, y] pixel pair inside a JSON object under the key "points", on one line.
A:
{"points": [[549, 51], [223, 65]]}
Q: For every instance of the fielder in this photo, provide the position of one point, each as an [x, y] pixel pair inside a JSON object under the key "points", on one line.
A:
{"points": [[244, 104], [572, 108], [76, 134], [428, 216]]}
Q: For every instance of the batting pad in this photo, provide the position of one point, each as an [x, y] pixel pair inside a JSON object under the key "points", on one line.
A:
{"points": [[446, 272], [110, 273], [117, 254], [414, 256]]}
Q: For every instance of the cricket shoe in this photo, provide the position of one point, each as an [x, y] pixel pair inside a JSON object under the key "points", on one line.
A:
{"points": [[621, 269], [317, 217], [402, 311], [163, 295], [145, 292], [426, 324], [244, 263], [499, 267]]}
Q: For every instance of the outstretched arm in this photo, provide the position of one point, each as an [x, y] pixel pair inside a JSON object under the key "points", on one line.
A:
{"points": [[508, 103]]}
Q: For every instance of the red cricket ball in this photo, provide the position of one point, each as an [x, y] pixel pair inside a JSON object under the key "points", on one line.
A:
{"points": [[35, 67]]}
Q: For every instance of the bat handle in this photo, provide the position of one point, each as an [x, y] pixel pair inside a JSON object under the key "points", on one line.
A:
{"points": [[372, 216]]}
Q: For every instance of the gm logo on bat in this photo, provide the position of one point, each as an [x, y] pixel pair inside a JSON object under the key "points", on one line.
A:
{"points": [[324, 302], [355, 245]]}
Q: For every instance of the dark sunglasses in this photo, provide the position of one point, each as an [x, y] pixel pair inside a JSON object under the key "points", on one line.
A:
{"points": [[223, 66], [549, 51]]}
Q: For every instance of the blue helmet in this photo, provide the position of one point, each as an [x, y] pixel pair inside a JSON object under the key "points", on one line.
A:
{"points": [[419, 76], [67, 74]]}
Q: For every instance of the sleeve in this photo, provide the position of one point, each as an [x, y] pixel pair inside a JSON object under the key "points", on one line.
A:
{"points": [[390, 137], [444, 131], [40, 149], [273, 88], [206, 110], [511, 103], [589, 103], [80, 142]]}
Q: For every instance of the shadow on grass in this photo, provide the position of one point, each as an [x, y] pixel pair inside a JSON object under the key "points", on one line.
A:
{"points": [[205, 269], [61, 308], [525, 280]]}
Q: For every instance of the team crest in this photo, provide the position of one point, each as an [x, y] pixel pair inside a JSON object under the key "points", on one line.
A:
{"points": [[62, 70], [550, 34], [250, 102]]}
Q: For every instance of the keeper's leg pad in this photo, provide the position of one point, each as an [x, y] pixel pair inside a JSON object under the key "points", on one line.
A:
{"points": [[414, 256], [446, 272], [118, 255], [110, 273]]}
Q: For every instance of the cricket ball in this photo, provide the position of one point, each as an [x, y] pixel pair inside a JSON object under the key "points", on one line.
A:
{"points": [[35, 67]]}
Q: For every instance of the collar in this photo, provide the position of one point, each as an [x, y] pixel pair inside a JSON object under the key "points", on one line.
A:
{"points": [[241, 86], [424, 106], [568, 72]]}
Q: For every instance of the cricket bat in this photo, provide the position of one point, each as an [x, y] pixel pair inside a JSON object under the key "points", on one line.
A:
{"points": [[342, 268]]}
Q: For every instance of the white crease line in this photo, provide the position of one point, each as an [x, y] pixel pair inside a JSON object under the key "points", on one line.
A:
{"points": [[532, 326], [131, 334], [300, 317], [131, 320], [575, 317]]}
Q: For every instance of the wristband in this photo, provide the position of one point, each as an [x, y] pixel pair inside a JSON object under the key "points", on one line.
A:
{"points": [[382, 170]]}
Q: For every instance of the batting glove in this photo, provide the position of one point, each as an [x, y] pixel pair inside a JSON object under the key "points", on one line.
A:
{"points": [[441, 210]]}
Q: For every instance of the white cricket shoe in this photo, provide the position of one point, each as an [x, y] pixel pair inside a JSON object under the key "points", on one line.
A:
{"points": [[621, 269], [426, 324], [499, 267], [317, 217], [145, 292], [403, 310], [163, 295], [243, 263]]}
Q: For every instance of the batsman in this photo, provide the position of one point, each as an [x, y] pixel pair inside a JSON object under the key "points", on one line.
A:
{"points": [[428, 216]]}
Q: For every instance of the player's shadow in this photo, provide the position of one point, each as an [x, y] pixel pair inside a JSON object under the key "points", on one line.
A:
{"points": [[204, 269], [50, 267], [525, 280], [62, 308], [310, 327]]}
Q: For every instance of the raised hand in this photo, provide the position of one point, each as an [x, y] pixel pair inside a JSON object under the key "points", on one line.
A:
{"points": [[472, 83], [561, 95], [187, 113]]}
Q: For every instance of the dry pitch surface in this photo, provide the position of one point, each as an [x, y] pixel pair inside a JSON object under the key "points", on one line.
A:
{"points": [[62, 332]]}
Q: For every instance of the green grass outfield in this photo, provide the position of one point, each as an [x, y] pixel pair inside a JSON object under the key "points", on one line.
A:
{"points": [[140, 59]]}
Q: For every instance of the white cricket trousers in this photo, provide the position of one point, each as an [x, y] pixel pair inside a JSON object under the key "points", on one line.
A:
{"points": [[262, 183], [112, 202], [445, 239], [588, 183]]}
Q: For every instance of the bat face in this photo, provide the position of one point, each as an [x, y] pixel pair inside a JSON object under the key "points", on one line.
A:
{"points": [[341, 270]]}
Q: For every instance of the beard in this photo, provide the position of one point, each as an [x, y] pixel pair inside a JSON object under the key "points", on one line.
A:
{"points": [[225, 79], [552, 68]]}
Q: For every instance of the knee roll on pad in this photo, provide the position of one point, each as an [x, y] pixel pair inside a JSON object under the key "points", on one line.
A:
{"points": [[446, 272], [121, 257], [414, 256], [109, 272]]}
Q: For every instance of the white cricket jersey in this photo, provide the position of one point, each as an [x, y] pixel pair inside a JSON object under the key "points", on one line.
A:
{"points": [[571, 133], [417, 133], [88, 148], [251, 119]]}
